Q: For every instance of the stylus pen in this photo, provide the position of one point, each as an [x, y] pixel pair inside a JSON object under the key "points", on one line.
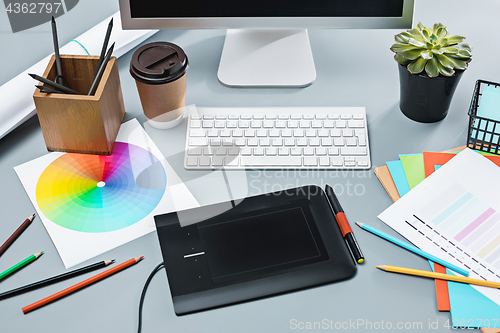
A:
{"points": [[345, 228], [104, 46]]}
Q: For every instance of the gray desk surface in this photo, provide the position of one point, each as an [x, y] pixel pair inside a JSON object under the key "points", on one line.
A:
{"points": [[355, 68]]}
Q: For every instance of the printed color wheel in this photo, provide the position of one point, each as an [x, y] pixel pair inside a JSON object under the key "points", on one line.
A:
{"points": [[92, 193]]}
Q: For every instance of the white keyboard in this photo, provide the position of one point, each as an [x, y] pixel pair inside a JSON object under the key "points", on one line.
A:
{"points": [[277, 138]]}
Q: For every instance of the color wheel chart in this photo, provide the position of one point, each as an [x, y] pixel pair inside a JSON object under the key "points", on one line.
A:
{"points": [[97, 194], [465, 228]]}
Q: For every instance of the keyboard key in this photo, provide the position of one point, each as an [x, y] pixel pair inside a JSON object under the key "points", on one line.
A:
{"points": [[215, 142], [308, 116], [358, 116], [333, 151], [333, 116], [286, 133], [326, 142], [249, 133], [208, 123], [341, 124], [277, 142], [231, 124], [258, 116], [205, 160], [347, 132], [194, 151], [356, 123], [362, 140], [198, 142], [233, 151], [321, 116], [351, 142], [261, 133], [243, 124], [220, 151], [208, 116], [283, 116], [264, 142], [301, 142], [233, 117], [323, 133], [274, 132], [252, 142], [225, 133], [220, 116], [350, 164], [195, 117], [271, 151], [293, 124], [308, 151], [195, 123], [271, 161], [192, 161], [268, 124], [213, 133], [353, 151], [311, 132], [282, 151], [349, 159], [321, 151], [345, 116], [246, 116], [296, 151], [310, 161], [258, 151], [237, 133], [196, 132], [336, 161], [324, 161], [363, 163], [256, 123], [328, 124], [305, 123], [219, 124], [335, 132], [270, 116], [227, 143], [289, 142], [246, 151], [314, 142], [240, 142], [316, 124], [280, 124], [338, 141], [295, 116], [298, 132], [207, 151], [218, 161]]}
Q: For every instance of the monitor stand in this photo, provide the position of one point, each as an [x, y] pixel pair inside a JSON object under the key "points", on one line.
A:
{"points": [[266, 58]]}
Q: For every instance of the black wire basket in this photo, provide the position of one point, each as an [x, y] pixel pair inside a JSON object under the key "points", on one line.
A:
{"points": [[484, 133]]}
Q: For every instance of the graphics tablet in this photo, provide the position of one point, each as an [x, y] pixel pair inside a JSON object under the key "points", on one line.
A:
{"points": [[261, 246]]}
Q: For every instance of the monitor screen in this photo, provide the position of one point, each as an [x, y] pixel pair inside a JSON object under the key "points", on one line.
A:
{"points": [[265, 8]]}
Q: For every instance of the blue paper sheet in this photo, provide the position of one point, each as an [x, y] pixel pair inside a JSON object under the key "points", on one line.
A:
{"points": [[489, 108], [398, 176]]}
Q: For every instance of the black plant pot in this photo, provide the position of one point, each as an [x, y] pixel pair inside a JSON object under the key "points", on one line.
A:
{"points": [[426, 99]]}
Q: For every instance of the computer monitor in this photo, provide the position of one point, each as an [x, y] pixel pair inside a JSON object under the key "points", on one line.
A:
{"points": [[266, 44]]}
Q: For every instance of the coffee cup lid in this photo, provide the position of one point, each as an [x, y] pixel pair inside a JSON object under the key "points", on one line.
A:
{"points": [[158, 63]]}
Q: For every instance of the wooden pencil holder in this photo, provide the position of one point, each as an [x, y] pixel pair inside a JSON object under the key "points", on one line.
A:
{"points": [[81, 123]]}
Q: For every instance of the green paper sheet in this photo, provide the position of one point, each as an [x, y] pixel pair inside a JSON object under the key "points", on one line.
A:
{"points": [[413, 164]]}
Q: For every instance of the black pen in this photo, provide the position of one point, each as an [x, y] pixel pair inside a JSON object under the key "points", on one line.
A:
{"points": [[104, 46], [54, 85], [49, 90], [100, 71], [56, 52], [345, 228]]}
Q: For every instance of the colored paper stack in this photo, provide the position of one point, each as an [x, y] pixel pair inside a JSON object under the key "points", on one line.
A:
{"points": [[401, 176]]}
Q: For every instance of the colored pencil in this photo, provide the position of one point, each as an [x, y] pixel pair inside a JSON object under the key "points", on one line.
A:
{"points": [[16, 234], [411, 248], [439, 276], [80, 285], [104, 45], [55, 279], [100, 71], [20, 264], [345, 228], [53, 84], [56, 51]]}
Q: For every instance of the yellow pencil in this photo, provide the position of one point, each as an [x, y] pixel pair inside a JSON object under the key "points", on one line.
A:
{"points": [[439, 276]]}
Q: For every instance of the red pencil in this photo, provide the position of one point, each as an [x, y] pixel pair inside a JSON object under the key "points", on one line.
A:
{"points": [[16, 234], [80, 285]]}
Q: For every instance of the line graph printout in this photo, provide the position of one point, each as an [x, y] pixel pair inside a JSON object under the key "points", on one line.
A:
{"points": [[454, 214]]}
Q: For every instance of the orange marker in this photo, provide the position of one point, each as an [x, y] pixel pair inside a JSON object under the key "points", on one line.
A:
{"points": [[80, 285]]}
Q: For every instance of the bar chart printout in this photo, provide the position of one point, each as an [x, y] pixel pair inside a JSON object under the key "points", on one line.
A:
{"points": [[464, 227]]}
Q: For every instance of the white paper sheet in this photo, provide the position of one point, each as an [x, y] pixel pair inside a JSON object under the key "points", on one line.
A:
{"points": [[75, 246], [454, 214], [17, 94]]}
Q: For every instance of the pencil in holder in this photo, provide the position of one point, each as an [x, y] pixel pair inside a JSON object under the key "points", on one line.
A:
{"points": [[484, 133], [81, 123]]}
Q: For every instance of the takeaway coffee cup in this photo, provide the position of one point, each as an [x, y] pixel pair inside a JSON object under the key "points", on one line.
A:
{"points": [[159, 70]]}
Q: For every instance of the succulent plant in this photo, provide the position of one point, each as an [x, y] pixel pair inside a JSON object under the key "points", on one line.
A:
{"points": [[422, 48]]}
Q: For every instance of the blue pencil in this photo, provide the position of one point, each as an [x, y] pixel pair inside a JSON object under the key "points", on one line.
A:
{"points": [[412, 248]]}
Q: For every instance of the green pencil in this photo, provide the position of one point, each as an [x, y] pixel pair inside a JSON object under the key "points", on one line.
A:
{"points": [[20, 264]]}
